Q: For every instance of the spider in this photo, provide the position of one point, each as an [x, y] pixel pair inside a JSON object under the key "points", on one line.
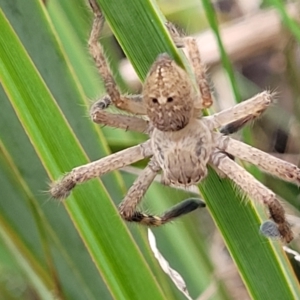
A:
{"points": [[182, 142]]}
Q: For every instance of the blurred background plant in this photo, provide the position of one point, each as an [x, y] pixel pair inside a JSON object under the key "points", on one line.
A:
{"points": [[85, 251]]}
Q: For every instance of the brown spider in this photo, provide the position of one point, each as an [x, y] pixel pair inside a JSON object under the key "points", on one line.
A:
{"points": [[182, 142]]}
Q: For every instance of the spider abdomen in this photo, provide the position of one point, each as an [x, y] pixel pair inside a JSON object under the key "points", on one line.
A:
{"points": [[183, 155], [183, 168]]}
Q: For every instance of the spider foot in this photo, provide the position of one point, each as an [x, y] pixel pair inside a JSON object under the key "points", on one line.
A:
{"points": [[61, 189], [100, 104], [176, 36], [277, 231], [183, 208], [176, 211], [236, 125], [269, 229], [97, 113]]}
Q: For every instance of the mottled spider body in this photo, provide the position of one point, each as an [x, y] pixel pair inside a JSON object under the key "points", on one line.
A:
{"points": [[182, 142]]}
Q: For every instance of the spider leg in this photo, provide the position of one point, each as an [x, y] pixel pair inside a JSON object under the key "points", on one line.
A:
{"points": [[237, 116], [62, 188], [128, 207], [132, 104], [195, 58], [255, 190], [127, 122], [263, 160]]}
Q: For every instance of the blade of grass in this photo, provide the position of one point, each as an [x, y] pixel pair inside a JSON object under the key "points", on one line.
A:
{"points": [[38, 277], [223, 202], [211, 15], [213, 22], [71, 260], [29, 96], [292, 25], [48, 235]]}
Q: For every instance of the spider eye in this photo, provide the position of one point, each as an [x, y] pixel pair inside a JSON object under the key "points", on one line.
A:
{"points": [[154, 100], [170, 99]]}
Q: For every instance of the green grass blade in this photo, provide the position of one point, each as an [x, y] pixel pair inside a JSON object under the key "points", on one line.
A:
{"points": [[37, 276], [213, 22], [247, 262], [29, 97], [291, 24], [47, 234], [239, 223]]}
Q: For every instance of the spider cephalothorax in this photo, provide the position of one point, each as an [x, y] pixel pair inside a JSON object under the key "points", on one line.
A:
{"points": [[182, 143], [165, 87]]}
